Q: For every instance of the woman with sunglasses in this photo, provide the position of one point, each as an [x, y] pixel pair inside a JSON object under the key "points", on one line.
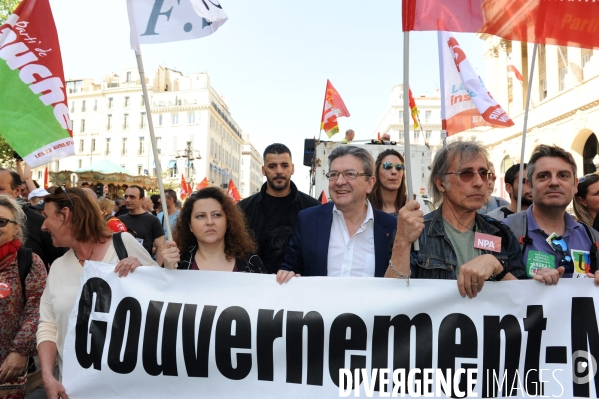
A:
{"points": [[586, 200], [74, 222], [389, 191], [18, 305], [211, 234]]}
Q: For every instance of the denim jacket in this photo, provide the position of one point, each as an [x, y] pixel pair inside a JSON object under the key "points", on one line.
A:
{"points": [[437, 259]]}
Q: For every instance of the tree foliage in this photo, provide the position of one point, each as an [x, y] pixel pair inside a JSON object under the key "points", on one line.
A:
{"points": [[6, 8]]}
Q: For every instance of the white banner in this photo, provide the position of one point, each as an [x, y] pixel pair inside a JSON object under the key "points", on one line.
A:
{"points": [[467, 102], [160, 21], [170, 333]]}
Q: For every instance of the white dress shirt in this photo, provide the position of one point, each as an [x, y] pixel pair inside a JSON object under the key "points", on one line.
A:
{"points": [[351, 256]]}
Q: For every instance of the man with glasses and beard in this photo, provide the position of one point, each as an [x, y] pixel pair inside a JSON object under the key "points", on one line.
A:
{"points": [[456, 242], [554, 245], [512, 183], [272, 213]]}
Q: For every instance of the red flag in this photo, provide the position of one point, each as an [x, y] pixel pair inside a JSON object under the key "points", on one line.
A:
{"points": [[184, 191], [203, 184], [232, 191], [565, 23], [323, 198], [332, 108], [513, 71], [46, 182], [467, 103], [189, 190], [413, 109]]}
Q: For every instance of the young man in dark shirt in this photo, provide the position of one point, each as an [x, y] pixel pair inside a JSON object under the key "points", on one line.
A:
{"points": [[512, 181], [146, 226], [272, 212]]}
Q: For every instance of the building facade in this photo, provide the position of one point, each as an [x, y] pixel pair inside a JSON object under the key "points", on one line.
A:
{"points": [[251, 169], [110, 121], [564, 106]]}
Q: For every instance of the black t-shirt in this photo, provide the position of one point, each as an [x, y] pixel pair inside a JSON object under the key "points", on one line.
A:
{"points": [[276, 231], [146, 227], [506, 212]]}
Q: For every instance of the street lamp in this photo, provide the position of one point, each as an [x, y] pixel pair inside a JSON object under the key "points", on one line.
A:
{"points": [[189, 154]]}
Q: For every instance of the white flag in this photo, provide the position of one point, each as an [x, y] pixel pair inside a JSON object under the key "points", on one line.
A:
{"points": [[160, 21], [466, 103]]}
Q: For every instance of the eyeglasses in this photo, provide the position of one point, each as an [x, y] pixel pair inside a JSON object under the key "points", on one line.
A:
{"points": [[67, 194], [584, 178], [389, 165], [559, 245], [5, 221], [347, 174], [467, 175]]}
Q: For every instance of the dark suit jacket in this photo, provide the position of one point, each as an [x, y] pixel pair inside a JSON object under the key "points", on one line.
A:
{"points": [[309, 246]]}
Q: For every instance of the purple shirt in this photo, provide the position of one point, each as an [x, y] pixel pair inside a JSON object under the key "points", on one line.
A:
{"points": [[575, 235]]}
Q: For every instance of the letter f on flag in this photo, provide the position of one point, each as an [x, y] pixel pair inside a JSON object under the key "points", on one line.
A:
{"points": [[160, 21]]}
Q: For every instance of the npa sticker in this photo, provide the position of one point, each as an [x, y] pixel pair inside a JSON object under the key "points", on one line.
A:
{"points": [[539, 260], [582, 262], [487, 242]]}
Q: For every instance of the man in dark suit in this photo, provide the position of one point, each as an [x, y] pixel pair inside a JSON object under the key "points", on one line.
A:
{"points": [[347, 237]]}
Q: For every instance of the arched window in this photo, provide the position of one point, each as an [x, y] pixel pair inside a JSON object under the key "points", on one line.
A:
{"points": [[589, 152], [506, 163]]}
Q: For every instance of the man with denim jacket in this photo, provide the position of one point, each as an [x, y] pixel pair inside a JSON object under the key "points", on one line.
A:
{"points": [[455, 242]]}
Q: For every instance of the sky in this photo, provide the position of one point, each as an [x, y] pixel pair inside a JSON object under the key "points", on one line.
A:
{"points": [[271, 61]]}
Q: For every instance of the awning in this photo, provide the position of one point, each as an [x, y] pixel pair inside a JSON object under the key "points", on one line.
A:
{"points": [[154, 164], [172, 164]]}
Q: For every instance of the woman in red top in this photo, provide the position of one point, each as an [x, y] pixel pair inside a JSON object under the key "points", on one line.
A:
{"points": [[113, 223]]}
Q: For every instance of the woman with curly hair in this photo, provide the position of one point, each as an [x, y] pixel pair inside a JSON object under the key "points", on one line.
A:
{"points": [[389, 191], [211, 234]]}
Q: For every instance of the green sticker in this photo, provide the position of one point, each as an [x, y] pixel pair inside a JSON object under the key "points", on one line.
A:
{"points": [[539, 260]]}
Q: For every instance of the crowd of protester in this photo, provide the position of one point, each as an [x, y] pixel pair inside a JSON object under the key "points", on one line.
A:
{"points": [[368, 229]]}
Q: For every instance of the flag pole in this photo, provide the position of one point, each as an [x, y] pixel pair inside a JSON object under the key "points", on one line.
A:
{"points": [[528, 93], [140, 67], [406, 119], [442, 90]]}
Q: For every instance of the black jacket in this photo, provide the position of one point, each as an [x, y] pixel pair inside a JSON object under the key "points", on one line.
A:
{"points": [[40, 241], [252, 209]]}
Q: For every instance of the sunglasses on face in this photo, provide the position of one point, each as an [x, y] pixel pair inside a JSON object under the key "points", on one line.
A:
{"points": [[389, 165], [467, 175], [5, 221], [559, 245]]}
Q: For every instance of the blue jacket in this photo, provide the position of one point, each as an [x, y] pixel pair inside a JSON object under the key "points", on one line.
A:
{"points": [[309, 247], [437, 259]]}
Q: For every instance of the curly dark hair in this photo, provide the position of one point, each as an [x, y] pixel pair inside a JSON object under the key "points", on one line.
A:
{"points": [[375, 196], [239, 244]]}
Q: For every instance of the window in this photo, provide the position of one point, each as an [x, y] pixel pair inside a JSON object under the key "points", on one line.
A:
{"points": [[109, 122], [83, 106], [128, 76], [72, 106], [159, 144], [400, 116], [82, 127], [543, 89], [93, 149], [124, 146], [80, 164], [175, 119], [191, 118], [96, 104], [127, 101], [139, 170], [401, 136], [562, 78], [159, 119], [142, 103], [142, 146], [125, 121], [427, 134], [107, 146], [211, 146], [142, 120], [81, 145], [427, 116], [416, 135], [109, 102]]}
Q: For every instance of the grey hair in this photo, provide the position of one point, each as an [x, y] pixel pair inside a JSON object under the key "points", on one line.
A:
{"points": [[552, 151], [358, 152], [18, 215], [464, 151]]}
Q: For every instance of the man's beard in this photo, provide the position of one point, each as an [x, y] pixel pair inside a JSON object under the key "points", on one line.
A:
{"points": [[525, 201], [279, 187]]}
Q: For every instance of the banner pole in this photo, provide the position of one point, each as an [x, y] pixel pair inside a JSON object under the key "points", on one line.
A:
{"points": [[140, 67], [528, 93], [442, 90], [406, 119], [324, 103]]}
